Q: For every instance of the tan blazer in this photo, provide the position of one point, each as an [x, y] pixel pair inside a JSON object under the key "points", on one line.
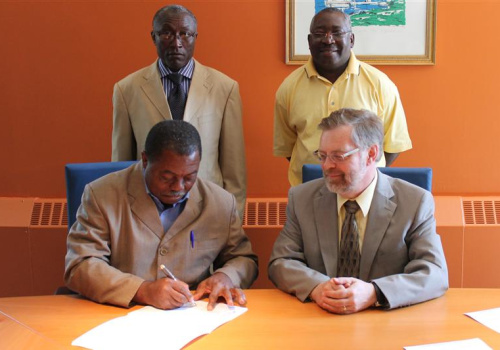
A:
{"points": [[213, 106], [118, 242], [401, 252]]}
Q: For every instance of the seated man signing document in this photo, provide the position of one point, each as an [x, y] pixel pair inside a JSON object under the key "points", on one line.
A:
{"points": [[358, 238], [157, 212]]}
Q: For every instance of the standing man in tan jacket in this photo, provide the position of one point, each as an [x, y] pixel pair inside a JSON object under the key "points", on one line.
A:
{"points": [[202, 96]]}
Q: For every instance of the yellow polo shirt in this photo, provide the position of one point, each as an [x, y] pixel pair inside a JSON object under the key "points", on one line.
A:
{"points": [[305, 97]]}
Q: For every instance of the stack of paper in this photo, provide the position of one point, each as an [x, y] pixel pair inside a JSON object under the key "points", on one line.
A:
{"points": [[150, 328]]}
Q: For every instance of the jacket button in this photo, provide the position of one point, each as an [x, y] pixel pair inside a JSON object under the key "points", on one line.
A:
{"points": [[163, 251]]}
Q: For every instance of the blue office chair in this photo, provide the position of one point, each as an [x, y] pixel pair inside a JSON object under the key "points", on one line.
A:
{"points": [[421, 177], [78, 175]]}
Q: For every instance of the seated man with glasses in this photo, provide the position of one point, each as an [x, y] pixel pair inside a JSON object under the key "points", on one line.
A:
{"points": [[358, 238], [332, 79], [176, 86]]}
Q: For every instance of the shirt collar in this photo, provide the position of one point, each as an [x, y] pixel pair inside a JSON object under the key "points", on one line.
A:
{"points": [[364, 199], [186, 71], [310, 69], [352, 67]]}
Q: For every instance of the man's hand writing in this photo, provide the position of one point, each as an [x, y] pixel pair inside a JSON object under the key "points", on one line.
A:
{"points": [[164, 293]]}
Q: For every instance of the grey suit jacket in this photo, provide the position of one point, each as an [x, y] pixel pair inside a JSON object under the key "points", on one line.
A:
{"points": [[401, 252], [213, 106], [118, 242]]}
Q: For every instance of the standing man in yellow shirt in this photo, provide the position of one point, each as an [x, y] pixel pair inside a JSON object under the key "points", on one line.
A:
{"points": [[333, 79]]}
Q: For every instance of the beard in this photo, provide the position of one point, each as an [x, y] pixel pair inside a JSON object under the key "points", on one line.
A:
{"points": [[346, 182]]}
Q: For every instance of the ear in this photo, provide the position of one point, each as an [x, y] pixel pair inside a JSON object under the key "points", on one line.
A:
{"points": [[153, 37], [144, 160], [309, 40], [351, 40], [372, 154]]}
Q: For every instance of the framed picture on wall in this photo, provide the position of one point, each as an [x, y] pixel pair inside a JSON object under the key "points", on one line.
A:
{"points": [[387, 32]]}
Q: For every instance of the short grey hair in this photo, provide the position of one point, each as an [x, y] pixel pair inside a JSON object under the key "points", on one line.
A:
{"points": [[367, 128], [173, 9]]}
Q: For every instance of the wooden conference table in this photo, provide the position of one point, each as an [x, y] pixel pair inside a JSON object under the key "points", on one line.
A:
{"points": [[274, 320]]}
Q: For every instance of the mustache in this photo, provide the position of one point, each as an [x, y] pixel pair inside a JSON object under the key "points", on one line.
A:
{"points": [[330, 171], [176, 194]]}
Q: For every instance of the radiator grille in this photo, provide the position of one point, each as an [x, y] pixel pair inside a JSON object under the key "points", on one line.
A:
{"points": [[259, 212], [265, 212], [481, 211], [49, 213]]}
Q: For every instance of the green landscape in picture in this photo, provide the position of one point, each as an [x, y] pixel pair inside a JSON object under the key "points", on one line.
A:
{"points": [[369, 12], [395, 15]]}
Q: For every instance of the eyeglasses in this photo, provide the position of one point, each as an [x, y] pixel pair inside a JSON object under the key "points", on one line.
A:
{"points": [[183, 36], [336, 158], [328, 35]]}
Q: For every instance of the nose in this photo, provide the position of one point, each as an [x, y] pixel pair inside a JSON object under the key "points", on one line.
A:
{"points": [[328, 38], [176, 41], [328, 164], [177, 185]]}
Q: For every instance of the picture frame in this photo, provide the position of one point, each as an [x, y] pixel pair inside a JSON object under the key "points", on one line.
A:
{"points": [[401, 32]]}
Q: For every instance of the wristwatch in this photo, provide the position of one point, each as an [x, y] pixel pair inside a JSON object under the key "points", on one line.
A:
{"points": [[381, 299]]}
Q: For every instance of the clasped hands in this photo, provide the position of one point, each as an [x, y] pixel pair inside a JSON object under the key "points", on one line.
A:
{"points": [[344, 295], [165, 293]]}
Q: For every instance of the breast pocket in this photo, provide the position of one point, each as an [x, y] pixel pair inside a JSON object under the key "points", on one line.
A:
{"points": [[213, 243]]}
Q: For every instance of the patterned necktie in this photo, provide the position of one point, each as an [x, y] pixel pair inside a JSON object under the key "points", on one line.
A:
{"points": [[176, 97], [349, 257]]}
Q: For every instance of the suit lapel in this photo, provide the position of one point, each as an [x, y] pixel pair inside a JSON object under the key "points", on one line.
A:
{"points": [[141, 203], [153, 89], [201, 84], [191, 211], [381, 211], [325, 214]]}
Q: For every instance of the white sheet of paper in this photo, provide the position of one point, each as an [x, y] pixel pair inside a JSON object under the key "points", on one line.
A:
{"points": [[489, 318], [468, 344], [150, 328]]}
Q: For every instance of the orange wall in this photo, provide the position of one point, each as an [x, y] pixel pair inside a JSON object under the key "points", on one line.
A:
{"points": [[60, 60]]}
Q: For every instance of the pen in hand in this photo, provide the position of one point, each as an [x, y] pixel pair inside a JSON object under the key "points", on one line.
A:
{"points": [[167, 272], [171, 275]]}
